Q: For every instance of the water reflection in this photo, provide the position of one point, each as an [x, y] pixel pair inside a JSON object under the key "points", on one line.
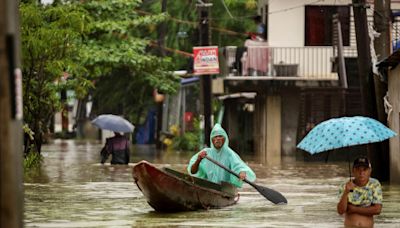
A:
{"points": [[73, 190]]}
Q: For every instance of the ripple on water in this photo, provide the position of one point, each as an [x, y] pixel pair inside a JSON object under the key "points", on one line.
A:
{"points": [[73, 190]]}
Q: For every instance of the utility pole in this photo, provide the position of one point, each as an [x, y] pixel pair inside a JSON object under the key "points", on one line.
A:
{"points": [[162, 29], [366, 79], [160, 104], [364, 57], [382, 45], [64, 112], [382, 17], [11, 197], [205, 80]]}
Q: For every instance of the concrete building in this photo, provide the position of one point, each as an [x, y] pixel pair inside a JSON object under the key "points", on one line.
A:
{"points": [[296, 73], [391, 71]]}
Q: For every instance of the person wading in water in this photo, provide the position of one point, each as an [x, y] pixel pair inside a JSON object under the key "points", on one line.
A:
{"points": [[360, 198]]}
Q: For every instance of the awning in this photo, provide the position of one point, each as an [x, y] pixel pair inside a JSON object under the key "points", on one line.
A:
{"points": [[238, 95]]}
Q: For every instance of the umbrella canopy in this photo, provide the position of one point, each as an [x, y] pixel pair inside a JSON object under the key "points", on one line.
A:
{"points": [[343, 132], [113, 123]]}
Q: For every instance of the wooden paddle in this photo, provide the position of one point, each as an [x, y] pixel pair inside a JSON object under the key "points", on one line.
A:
{"points": [[269, 194]]}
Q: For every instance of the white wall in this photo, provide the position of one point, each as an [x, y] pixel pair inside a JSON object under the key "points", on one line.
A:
{"points": [[286, 28], [286, 23], [394, 124]]}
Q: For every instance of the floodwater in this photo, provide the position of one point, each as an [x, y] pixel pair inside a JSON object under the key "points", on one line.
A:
{"points": [[73, 190]]}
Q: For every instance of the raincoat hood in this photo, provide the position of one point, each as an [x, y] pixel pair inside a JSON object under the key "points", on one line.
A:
{"points": [[218, 130], [226, 156]]}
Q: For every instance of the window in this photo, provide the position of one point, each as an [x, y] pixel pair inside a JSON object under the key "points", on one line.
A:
{"points": [[318, 27]]}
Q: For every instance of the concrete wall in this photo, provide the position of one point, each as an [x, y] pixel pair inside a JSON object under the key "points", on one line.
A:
{"points": [[267, 129], [393, 122], [290, 119], [231, 117], [286, 20], [286, 28], [274, 128]]}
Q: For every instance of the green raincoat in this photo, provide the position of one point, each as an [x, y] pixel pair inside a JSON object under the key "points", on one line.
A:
{"points": [[227, 157]]}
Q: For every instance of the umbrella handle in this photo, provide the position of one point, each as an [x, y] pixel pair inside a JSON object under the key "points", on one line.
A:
{"points": [[348, 159], [349, 171]]}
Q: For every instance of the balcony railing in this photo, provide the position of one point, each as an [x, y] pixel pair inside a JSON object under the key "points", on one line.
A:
{"points": [[306, 63]]}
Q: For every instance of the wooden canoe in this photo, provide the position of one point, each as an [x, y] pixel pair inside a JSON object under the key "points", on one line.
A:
{"points": [[167, 190]]}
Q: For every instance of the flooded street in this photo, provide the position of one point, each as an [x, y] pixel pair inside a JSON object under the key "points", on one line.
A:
{"points": [[72, 189]]}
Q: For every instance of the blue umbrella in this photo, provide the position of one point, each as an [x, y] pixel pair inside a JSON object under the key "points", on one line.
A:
{"points": [[113, 123], [343, 132]]}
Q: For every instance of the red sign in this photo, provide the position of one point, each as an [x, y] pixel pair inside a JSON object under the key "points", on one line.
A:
{"points": [[205, 60]]}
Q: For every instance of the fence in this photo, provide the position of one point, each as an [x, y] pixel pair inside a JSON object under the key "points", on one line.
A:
{"points": [[314, 63]]}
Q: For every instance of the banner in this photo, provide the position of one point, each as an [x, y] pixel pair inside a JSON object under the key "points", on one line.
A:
{"points": [[205, 60]]}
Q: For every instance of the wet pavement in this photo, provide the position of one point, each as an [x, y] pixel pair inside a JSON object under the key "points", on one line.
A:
{"points": [[73, 190]]}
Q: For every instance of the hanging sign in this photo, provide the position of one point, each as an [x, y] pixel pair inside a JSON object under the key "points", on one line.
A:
{"points": [[205, 60]]}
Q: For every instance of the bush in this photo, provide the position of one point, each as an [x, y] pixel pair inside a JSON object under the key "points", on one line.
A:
{"points": [[32, 160], [188, 141]]}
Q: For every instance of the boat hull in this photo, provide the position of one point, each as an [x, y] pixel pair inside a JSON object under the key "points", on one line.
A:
{"points": [[171, 191]]}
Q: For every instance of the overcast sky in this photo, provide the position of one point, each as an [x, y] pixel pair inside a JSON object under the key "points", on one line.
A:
{"points": [[46, 1]]}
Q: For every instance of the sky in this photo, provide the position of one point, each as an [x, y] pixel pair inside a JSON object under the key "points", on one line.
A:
{"points": [[47, 1]]}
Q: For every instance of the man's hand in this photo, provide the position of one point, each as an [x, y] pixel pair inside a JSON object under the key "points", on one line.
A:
{"points": [[202, 155], [242, 175], [195, 166], [342, 206], [349, 186]]}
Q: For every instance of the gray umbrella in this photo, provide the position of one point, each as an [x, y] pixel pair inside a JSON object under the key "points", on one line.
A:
{"points": [[113, 123]]}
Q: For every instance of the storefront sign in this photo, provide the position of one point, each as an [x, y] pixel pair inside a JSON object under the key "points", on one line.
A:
{"points": [[205, 60]]}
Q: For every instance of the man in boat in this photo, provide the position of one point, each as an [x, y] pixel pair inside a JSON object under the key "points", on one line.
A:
{"points": [[361, 198], [221, 152], [118, 147]]}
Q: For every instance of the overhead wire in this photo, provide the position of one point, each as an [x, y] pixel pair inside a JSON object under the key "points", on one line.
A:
{"points": [[195, 24], [232, 17], [184, 53], [226, 8], [294, 7], [227, 31]]}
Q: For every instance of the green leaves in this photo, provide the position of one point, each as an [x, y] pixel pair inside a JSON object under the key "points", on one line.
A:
{"points": [[117, 55], [89, 42], [51, 37]]}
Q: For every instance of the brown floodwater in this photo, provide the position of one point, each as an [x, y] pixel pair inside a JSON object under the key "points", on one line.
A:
{"points": [[72, 189]]}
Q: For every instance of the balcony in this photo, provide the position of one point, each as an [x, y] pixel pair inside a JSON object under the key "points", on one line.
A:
{"points": [[263, 62]]}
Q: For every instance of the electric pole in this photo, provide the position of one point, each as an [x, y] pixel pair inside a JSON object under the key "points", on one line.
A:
{"points": [[382, 45], [382, 17], [364, 57], [160, 104], [367, 85], [205, 80], [11, 196]]}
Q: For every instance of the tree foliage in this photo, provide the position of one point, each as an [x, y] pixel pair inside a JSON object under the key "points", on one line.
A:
{"points": [[105, 47], [50, 37], [182, 23], [91, 42], [118, 50]]}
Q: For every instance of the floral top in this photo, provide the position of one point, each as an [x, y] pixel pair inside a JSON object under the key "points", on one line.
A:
{"points": [[364, 196]]}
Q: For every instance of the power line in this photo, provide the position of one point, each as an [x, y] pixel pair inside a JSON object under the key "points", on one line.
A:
{"points": [[195, 24], [226, 8], [184, 53], [294, 7]]}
